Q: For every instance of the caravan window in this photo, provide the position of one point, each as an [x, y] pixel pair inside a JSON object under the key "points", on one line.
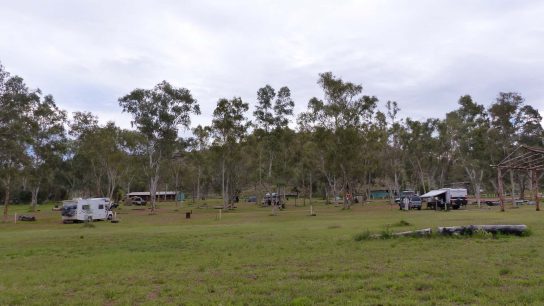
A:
{"points": [[101, 206], [85, 207]]}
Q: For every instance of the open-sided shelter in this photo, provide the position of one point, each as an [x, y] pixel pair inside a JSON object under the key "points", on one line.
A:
{"points": [[524, 158]]}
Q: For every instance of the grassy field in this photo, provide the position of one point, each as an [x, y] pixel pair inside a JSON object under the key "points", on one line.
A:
{"points": [[252, 258]]}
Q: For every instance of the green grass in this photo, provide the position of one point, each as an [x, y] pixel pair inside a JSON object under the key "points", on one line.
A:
{"points": [[250, 257]]}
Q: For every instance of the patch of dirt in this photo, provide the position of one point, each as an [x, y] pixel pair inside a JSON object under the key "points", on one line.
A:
{"points": [[154, 294]]}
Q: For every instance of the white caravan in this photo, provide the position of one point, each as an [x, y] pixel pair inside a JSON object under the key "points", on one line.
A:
{"points": [[446, 197], [77, 210]]}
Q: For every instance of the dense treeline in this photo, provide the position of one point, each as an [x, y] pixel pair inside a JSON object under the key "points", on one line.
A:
{"points": [[341, 144]]}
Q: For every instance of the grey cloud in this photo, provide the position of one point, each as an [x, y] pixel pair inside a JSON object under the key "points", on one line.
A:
{"points": [[423, 54]]}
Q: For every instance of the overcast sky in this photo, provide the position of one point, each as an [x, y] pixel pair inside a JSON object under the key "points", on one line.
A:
{"points": [[422, 54]]}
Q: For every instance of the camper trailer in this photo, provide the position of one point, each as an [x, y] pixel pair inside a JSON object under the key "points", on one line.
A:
{"points": [[79, 210], [446, 198]]}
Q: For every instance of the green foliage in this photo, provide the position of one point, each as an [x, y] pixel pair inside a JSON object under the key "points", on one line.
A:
{"points": [[504, 271], [527, 233], [362, 236], [302, 301], [229, 126], [157, 114], [343, 145], [386, 233]]}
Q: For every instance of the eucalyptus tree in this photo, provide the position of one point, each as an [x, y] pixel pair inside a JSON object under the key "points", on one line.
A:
{"points": [[307, 160], [229, 126], [113, 147], [513, 123], [158, 113], [394, 151], [16, 104], [86, 172], [506, 120], [530, 132], [133, 145], [47, 146], [201, 144], [271, 118], [420, 146], [444, 154], [469, 127], [101, 151], [340, 123], [375, 142], [282, 135], [180, 166]]}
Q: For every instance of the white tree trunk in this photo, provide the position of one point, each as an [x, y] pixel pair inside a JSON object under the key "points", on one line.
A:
{"points": [[227, 193], [311, 188], [270, 157], [476, 181], [34, 201], [198, 182], [112, 182], [223, 190], [154, 166]]}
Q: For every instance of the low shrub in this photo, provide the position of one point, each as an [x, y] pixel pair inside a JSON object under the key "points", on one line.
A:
{"points": [[362, 236]]}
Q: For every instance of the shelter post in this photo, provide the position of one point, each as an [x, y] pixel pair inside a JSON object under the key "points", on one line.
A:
{"points": [[500, 187], [535, 189]]}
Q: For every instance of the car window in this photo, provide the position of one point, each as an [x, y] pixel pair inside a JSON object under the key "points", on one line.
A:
{"points": [[416, 199]]}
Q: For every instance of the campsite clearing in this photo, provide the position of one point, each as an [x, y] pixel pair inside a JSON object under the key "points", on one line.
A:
{"points": [[250, 257]]}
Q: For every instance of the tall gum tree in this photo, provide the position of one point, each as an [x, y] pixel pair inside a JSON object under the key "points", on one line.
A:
{"points": [[340, 122], [229, 126], [16, 104], [158, 113], [272, 116], [513, 123], [469, 125], [200, 146], [87, 154], [394, 151], [47, 145]]}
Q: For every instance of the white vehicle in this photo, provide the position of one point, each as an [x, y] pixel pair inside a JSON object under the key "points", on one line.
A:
{"points": [[446, 197], [78, 210]]}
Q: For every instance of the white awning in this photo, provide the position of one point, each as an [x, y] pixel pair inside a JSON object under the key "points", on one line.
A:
{"points": [[433, 193], [147, 193]]}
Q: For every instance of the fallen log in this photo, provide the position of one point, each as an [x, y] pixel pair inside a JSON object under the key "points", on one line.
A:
{"points": [[416, 233], [518, 229], [26, 218]]}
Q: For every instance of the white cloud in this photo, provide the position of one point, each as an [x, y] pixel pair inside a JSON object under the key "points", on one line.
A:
{"points": [[423, 54]]}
